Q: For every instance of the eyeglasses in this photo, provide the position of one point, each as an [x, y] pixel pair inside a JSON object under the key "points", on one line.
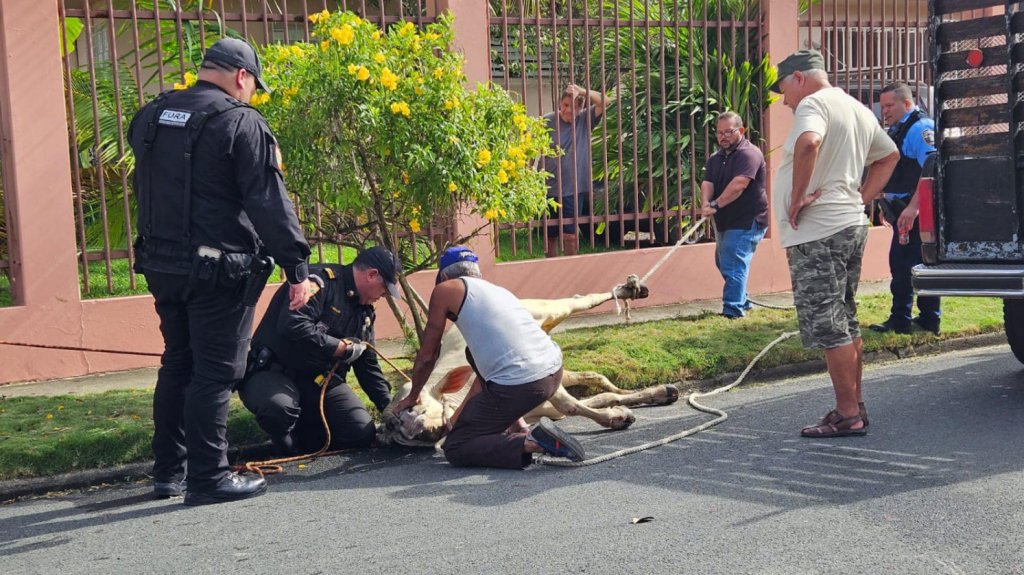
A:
{"points": [[727, 133]]}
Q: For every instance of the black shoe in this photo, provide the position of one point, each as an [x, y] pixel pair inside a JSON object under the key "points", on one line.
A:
{"points": [[890, 325], [167, 489], [727, 316], [556, 442], [927, 325], [234, 488]]}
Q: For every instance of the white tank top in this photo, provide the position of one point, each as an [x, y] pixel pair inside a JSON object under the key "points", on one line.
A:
{"points": [[508, 345]]}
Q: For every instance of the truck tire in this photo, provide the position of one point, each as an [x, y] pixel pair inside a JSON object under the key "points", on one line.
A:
{"points": [[1013, 315]]}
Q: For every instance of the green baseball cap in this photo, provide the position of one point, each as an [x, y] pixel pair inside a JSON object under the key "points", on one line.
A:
{"points": [[799, 61]]}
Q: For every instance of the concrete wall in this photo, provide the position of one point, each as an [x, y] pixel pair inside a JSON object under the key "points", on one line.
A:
{"points": [[38, 183]]}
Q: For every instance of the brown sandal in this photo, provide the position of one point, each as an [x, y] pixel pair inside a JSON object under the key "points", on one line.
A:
{"points": [[863, 414], [835, 425]]}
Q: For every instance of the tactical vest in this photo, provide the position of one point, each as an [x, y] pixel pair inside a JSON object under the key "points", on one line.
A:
{"points": [[163, 171], [908, 171]]}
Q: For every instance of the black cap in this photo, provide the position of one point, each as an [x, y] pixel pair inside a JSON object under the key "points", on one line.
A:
{"points": [[384, 262], [799, 61], [237, 54]]}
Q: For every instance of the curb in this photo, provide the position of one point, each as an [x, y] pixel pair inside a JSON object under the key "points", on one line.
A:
{"points": [[815, 366], [18, 488]]}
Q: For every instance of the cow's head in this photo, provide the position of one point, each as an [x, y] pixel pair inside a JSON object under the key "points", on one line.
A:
{"points": [[426, 423]]}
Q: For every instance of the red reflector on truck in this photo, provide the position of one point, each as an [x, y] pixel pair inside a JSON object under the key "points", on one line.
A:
{"points": [[926, 209]]}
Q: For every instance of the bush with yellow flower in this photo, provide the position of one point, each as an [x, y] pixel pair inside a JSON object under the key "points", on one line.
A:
{"points": [[379, 128]]}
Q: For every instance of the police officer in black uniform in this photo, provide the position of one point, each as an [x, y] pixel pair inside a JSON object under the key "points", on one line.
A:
{"points": [[293, 350], [914, 135], [211, 203]]}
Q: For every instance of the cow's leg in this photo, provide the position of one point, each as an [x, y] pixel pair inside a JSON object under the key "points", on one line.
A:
{"points": [[615, 417], [657, 395], [589, 379], [551, 312]]}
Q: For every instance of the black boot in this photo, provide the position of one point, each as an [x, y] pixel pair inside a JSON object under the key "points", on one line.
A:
{"points": [[892, 324], [233, 488]]}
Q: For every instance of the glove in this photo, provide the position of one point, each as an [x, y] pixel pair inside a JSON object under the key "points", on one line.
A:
{"points": [[354, 348]]}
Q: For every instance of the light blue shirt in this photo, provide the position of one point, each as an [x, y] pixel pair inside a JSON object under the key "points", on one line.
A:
{"points": [[920, 140]]}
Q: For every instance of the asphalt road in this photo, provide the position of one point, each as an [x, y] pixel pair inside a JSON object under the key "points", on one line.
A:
{"points": [[936, 487]]}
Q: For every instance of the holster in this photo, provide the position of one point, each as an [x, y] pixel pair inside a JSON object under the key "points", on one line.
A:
{"points": [[891, 209], [260, 268]]}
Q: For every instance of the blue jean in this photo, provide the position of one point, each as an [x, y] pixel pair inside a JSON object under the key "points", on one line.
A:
{"points": [[734, 250]]}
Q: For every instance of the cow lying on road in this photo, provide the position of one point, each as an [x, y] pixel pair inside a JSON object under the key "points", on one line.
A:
{"points": [[426, 423]]}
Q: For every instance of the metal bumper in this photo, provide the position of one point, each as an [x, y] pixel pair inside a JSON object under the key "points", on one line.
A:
{"points": [[980, 280]]}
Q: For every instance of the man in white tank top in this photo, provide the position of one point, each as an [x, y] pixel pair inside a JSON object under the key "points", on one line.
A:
{"points": [[518, 367]]}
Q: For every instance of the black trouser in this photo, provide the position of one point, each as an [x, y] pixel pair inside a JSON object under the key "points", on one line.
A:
{"points": [[902, 259], [206, 338], [480, 435], [288, 409]]}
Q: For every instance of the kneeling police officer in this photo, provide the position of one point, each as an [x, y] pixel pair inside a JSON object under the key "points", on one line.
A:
{"points": [[293, 350], [211, 204]]}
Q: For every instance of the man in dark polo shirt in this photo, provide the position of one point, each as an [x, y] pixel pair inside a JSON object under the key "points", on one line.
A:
{"points": [[733, 192]]}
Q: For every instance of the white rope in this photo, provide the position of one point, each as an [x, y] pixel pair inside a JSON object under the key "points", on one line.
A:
{"points": [[692, 400], [664, 258]]}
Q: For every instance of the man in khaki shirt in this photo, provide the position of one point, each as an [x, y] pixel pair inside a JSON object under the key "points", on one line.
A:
{"points": [[819, 208]]}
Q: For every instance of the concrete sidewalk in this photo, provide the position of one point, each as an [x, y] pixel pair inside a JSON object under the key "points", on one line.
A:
{"points": [[146, 378]]}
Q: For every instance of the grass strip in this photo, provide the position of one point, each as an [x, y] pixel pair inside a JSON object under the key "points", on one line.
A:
{"points": [[49, 435]]}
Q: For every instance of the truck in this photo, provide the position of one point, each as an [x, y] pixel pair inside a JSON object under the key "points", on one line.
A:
{"points": [[971, 201]]}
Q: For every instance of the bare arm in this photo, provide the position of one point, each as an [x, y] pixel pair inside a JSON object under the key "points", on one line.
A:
{"points": [[444, 302], [707, 190], [805, 156], [908, 215], [878, 175], [733, 190], [597, 100]]}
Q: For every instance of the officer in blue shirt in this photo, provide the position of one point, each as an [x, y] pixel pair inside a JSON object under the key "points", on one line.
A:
{"points": [[914, 134]]}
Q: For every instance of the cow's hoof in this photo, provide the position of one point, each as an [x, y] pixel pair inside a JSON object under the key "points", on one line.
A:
{"points": [[622, 420], [671, 394]]}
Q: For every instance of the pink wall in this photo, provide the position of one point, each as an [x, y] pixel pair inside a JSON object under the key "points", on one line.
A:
{"points": [[38, 180]]}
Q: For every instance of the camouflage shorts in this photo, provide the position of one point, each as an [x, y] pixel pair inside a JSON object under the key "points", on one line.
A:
{"points": [[825, 274]]}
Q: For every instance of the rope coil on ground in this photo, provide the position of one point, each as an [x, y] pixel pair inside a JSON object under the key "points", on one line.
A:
{"points": [[692, 400], [275, 466]]}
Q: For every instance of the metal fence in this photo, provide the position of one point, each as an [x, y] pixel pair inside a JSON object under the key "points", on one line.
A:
{"points": [[670, 66], [119, 54]]}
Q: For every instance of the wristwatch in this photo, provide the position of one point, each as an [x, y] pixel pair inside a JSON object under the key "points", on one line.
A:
{"points": [[713, 204]]}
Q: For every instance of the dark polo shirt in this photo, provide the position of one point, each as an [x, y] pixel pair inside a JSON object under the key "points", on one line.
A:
{"points": [[746, 160]]}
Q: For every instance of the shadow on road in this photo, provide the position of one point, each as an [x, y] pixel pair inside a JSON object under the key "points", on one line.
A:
{"points": [[928, 428]]}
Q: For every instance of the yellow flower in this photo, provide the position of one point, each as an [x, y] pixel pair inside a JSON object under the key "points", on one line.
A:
{"points": [[506, 165], [414, 225], [502, 177], [353, 69], [378, 57], [438, 72], [324, 45], [415, 44], [319, 16], [406, 29], [483, 157], [289, 92], [259, 99], [431, 36], [376, 34], [343, 35], [388, 79], [179, 86], [452, 187], [295, 51], [49, 416], [400, 108], [491, 214], [363, 74], [190, 78], [450, 104], [405, 178], [419, 90]]}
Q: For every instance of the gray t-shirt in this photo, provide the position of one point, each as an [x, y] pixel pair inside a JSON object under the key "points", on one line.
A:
{"points": [[574, 164]]}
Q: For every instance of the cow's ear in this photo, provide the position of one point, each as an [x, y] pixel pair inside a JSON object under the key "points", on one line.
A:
{"points": [[456, 379]]}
